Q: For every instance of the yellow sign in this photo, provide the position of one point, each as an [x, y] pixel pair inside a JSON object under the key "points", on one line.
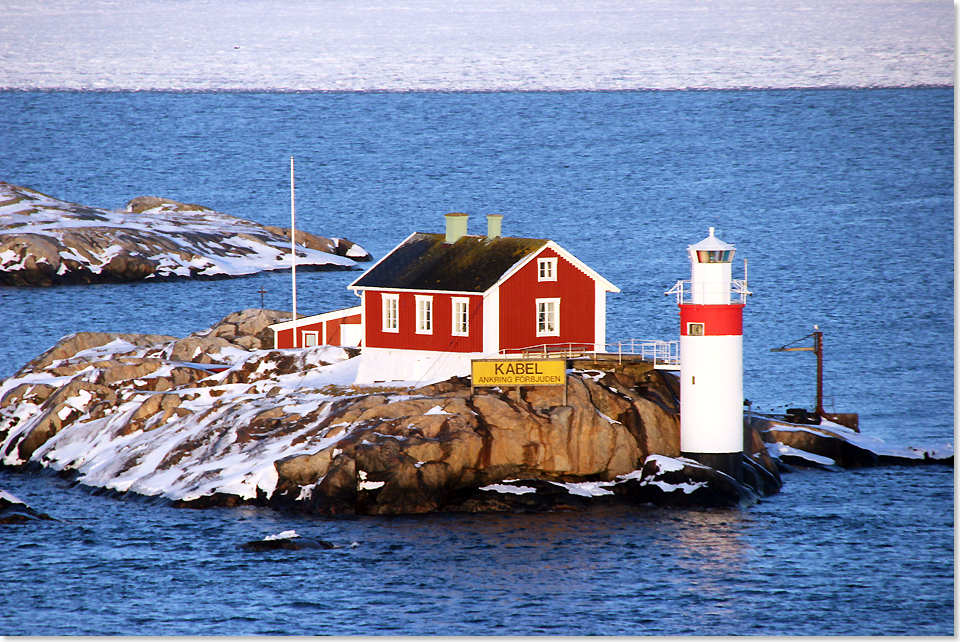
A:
{"points": [[528, 372]]}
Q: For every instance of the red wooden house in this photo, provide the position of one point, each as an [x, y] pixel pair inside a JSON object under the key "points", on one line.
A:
{"points": [[437, 301]]}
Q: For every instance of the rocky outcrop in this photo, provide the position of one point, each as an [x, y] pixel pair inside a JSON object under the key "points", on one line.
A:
{"points": [[218, 418], [248, 329], [830, 446], [287, 541], [142, 204], [81, 344], [45, 241], [15, 511], [340, 247]]}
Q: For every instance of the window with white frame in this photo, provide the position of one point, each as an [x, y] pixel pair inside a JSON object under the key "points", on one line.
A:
{"points": [[547, 269], [548, 317], [424, 314], [461, 317], [391, 316], [310, 339]]}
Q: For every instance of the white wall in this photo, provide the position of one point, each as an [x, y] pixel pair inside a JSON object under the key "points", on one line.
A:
{"points": [[711, 394]]}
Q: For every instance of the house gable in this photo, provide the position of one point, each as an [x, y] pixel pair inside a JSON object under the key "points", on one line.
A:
{"points": [[539, 308], [553, 249]]}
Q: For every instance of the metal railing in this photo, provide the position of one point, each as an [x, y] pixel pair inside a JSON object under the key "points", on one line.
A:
{"points": [[554, 350], [664, 355], [708, 293]]}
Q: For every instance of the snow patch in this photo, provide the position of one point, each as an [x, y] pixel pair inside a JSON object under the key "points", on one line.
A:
{"points": [[587, 489], [685, 487], [10, 498], [437, 410], [778, 449], [666, 464], [306, 492], [367, 485], [510, 490]]}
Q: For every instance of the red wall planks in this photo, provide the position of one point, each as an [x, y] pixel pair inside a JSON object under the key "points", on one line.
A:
{"points": [[441, 339], [518, 305]]}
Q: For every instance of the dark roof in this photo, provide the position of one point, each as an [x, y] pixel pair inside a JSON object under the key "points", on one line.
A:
{"points": [[426, 262]]}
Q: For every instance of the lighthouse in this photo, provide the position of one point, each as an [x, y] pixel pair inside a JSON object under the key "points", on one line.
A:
{"points": [[711, 358]]}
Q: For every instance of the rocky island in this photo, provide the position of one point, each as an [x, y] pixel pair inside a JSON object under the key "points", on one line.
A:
{"points": [[46, 241], [221, 418]]}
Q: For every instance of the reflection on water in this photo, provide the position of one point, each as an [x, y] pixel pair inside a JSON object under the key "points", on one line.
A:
{"points": [[826, 557]]}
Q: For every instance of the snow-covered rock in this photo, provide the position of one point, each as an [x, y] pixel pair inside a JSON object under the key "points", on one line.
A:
{"points": [[14, 510], [206, 420], [46, 241], [830, 446], [287, 540]]}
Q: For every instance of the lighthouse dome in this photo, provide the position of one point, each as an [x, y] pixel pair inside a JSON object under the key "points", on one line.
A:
{"points": [[712, 250]]}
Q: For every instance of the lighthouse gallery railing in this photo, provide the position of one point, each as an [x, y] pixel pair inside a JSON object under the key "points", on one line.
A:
{"points": [[686, 292]]}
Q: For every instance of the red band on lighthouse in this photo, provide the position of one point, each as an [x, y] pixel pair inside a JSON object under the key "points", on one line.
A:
{"points": [[711, 320]]}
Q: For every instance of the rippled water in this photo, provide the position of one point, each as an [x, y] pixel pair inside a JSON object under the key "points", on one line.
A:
{"points": [[862, 552], [841, 200], [471, 45]]}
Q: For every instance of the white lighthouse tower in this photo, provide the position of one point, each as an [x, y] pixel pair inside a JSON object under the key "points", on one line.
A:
{"points": [[711, 358]]}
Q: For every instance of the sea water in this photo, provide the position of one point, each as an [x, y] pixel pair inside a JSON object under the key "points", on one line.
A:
{"points": [[842, 200]]}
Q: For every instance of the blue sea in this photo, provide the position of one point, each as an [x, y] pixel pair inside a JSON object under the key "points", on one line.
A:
{"points": [[841, 200]]}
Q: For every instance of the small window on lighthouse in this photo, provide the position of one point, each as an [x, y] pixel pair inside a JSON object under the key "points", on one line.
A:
{"points": [[695, 329], [715, 256]]}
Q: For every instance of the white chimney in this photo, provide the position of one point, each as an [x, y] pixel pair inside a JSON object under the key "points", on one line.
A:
{"points": [[493, 225], [456, 226]]}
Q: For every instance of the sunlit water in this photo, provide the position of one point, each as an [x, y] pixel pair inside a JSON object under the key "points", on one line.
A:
{"points": [[863, 552], [841, 200]]}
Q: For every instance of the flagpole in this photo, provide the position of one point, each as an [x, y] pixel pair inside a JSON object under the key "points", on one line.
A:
{"points": [[293, 250]]}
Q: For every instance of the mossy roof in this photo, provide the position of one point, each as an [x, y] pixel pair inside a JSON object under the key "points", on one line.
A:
{"points": [[427, 262]]}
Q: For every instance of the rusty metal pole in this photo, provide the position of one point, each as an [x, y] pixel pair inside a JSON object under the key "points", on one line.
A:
{"points": [[818, 349]]}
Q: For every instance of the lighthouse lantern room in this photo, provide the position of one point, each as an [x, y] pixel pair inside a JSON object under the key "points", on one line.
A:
{"points": [[711, 357]]}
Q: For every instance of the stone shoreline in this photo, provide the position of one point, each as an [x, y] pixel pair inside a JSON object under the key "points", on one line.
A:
{"points": [[285, 429], [45, 241]]}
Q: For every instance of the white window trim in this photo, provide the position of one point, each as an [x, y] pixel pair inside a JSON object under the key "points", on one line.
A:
{"points": [[455, 329], [556, 317], [424, 322], [387, 299], [551, 265], [314, 335]]}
